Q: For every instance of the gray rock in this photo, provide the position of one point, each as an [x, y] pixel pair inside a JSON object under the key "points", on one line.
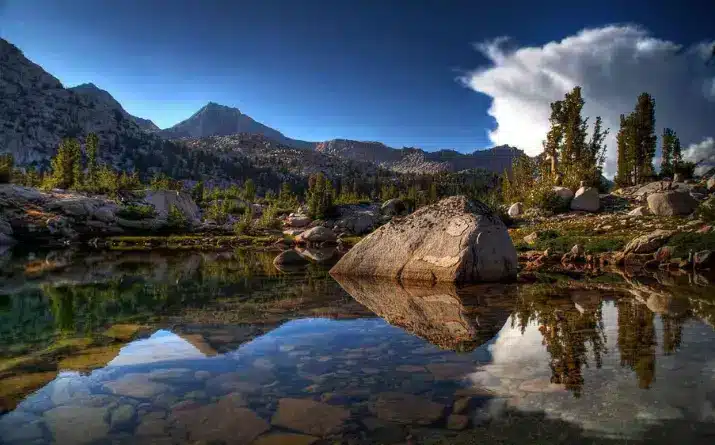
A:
{"points": [[577, 250], [586, 199], [639, 211], [163, 200], [406, 408], [563, 193], [77, 424], [711, 184], [678, 177], [317, 234], [105, 214], [289, 258], [392, 207], [122, 416], [531, 238], [310, 417], [453, 240], [648, 243], [298, 220], [516, 209], [672, 202]]}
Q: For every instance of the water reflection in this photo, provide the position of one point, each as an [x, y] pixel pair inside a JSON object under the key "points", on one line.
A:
{"points": [[224, 348]]}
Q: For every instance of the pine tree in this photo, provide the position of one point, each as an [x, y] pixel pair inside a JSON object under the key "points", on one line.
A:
{"points": [[62, 165], [249, 190], [645, 140], [667, 166], [596, 153], [433, 195], [554, 137], [91, 148], [622, 177]]}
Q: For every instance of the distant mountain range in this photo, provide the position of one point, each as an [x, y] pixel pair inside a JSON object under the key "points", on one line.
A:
{"points": [[37, 111]]}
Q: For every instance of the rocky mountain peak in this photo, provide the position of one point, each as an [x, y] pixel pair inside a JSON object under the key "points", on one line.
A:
{"points": [[94, 93]]}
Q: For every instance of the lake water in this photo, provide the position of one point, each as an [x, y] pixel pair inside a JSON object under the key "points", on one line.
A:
{"points": [[222, 348]]}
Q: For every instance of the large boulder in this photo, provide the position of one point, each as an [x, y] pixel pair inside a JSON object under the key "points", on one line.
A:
{"points": [[455, 240], [671, 202], [163, 200], [586, 199]]}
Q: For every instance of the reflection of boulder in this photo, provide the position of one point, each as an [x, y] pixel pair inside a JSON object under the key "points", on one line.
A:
{"points": [[321, 255], [446, 315]]}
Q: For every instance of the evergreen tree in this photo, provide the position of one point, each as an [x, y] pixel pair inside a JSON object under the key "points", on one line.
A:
{"points": [[7, 163], [91, 148], [433, 196], [62, 165], [249, 190], [596, 153], [554, 137], [198, 191], [667, 166], [644, 142]]}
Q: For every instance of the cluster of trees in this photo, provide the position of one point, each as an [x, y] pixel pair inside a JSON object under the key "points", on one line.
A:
{"points": [[570, 157]]}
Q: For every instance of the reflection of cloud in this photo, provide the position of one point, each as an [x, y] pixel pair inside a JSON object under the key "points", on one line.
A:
{"points": [[613, 64], [672, 395], [161, 346]]}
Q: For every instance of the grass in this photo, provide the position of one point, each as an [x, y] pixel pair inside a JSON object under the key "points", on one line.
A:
{"points": [[684, 242], [137, 212], [188, 242]]}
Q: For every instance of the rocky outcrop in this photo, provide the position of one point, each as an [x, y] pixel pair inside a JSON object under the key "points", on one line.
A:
{"points": [[671, 203], [454, 240], [163, 200], [356, 219], [586, 199]]}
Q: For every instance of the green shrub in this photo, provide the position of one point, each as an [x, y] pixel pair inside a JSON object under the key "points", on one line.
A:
{"points": [[243, 225], [706, 210], [269, 219], [176, 219], [137, 212], [545, 198], [6, 164]]}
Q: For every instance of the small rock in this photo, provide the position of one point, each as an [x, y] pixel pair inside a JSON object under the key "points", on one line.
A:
{"points": [[516, 209], [648, 243], [317, 234], [639, 211], [531, 238], [577, 250], [77, 424], [705, 259]]}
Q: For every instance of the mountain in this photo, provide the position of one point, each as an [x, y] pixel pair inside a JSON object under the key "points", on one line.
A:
{"points": [[219, 120], [93, 92], [37, 111], [415, 160]]}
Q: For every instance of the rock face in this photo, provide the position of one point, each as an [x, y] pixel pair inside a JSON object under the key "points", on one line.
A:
{"points": [[454, 240], [586, 199], [219, 120], [670, 203], [516, 209], [163, 200]]}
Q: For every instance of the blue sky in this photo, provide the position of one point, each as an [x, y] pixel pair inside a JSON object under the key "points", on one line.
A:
{"points": [[315, 70]]}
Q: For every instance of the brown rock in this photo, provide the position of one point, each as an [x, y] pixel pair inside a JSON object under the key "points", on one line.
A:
{"points": [[310, 417], [672, 202], [222, 421], [648, 243], [406, 409]]}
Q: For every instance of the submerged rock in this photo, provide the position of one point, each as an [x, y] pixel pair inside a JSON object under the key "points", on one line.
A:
{"points": [[453, 240], [310, 417], [289, 258], [406, 408]]}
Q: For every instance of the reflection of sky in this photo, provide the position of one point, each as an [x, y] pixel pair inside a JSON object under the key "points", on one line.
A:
{"points": [[161, 346], [611, 401]]}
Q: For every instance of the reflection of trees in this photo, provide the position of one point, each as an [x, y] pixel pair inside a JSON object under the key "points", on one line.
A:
{"points": [[672, 332], [636, 340], [567, 334]]}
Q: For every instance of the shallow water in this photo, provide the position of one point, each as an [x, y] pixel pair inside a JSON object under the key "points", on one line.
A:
{"points": [[223, 348]]}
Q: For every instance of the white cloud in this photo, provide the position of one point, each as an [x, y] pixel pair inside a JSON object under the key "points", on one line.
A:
{"points": [[703, 153], [613, 65]]}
